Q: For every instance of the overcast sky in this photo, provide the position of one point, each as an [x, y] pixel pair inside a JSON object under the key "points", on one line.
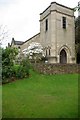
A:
{"points": [[21, 17]]}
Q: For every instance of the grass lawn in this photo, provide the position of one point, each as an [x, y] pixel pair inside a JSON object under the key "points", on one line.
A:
{"points": [[41, 96], [0, 102]]}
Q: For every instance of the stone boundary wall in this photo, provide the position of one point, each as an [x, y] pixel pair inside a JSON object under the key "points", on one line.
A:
{"points": [[57, 68]]}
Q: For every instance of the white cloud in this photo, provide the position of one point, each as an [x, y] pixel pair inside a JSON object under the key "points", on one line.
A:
{"points": [[22, 16]]}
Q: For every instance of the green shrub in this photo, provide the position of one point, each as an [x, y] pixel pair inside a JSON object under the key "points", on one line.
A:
{"points": [[23, 69], [9, 69], [7, 74], [21, 72], [8, 57]]}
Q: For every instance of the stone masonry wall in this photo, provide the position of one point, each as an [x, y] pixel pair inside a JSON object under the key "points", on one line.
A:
{"points": [[57, 68]]}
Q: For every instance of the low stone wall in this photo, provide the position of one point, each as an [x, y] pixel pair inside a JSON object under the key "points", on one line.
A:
{"points": [[57, 68]]}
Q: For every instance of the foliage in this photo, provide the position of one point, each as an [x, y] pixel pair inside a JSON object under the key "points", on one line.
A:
{"points": [[77, 30], [8, 57], [22, 70], [10, 70], [3, 34], [0, 65], [34, 51], [42, 96], [44, 58], [77, 38]]}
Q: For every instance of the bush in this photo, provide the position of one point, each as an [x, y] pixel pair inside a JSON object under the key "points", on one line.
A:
{"points": [[8, 55], [7, 74], [21, 73], [23, 70], [10, 70]]}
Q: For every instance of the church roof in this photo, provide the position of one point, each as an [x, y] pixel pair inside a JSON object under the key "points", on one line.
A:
{"points": [[31, 38], [16, 42]]}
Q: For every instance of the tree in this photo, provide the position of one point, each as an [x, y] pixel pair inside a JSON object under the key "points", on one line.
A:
{"points": [[77, 38], [77, 30], [8, 57], [34, 51], [3, 34], [0, 65]]}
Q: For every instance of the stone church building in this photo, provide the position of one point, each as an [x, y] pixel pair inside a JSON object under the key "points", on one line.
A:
{"points": [[57, 34]]}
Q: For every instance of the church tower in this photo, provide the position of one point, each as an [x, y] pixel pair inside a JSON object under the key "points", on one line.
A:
{"points": [[57, 33]]}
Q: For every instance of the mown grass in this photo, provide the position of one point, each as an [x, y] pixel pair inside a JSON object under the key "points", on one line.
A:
{"points": [[41, 96]]}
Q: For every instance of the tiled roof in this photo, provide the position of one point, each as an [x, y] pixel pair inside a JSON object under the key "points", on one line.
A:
{"points": [[18, 42]]}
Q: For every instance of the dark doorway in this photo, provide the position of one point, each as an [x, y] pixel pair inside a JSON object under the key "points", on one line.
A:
{"points": [[63, 57], [78, 58]]}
